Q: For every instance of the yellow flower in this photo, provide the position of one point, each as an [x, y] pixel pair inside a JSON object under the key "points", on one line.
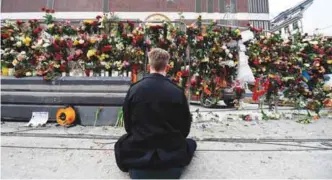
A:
{"points": [[108, 66], [91, 53], [93, 40], [14, 62], [27, 41], [171, 64], [50, 26], [103, 57], [88, 22], [75, 43], [237, 31], [57, 37], [329, 61]]}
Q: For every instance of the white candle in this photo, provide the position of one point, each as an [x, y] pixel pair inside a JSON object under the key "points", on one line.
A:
{"points": [[102, 73], [71, 74], [11, 71], [114, 74], [63, 74], [107, 74], [90, 73]]}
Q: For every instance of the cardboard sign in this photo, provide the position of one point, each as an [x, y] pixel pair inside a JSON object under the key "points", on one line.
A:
{"points": [[38, 119]]}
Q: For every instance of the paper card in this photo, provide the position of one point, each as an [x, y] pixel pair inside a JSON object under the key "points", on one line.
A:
{"points": [[38, 119], [247, 35]]}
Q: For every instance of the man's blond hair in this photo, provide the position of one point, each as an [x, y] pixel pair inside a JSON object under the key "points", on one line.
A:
{"points": [[158, 59]]}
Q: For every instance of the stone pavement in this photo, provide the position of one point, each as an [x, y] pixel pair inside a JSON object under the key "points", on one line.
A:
{"points": [[226, 149]]}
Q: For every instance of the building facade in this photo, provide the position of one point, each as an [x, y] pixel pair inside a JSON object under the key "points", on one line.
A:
{"points": [[290, 21], [229, 12]]}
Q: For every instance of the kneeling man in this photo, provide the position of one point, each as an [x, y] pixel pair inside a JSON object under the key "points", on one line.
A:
{"points": [[157, 121]]}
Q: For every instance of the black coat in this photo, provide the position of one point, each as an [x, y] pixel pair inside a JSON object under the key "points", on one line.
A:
{"points": [[157, 121]]}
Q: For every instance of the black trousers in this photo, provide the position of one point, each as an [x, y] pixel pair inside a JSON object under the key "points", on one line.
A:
{"points": [[171, 173]]}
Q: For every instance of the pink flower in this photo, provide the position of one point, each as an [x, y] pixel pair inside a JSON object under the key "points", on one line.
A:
{"points": [[148, 42], [41, 58], [70, 58], [125, 63], [58, 56], [247, 118], [78, 52], [70, 43]]}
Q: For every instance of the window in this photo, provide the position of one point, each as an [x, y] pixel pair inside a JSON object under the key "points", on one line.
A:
{"points": [[287, 31], [210, 6], [267, 25], [222, 6], [296, 25], [258, 6], [260, 24], [198, 6], [50, 4], [106, 6], [234, 6]]}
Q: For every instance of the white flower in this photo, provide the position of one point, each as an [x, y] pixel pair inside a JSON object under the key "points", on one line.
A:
{"points": [[227, 51], [28, 74], [12, 39], [230, 55], [81, 41], [314, 42], [103, 63], [45, 45], [18, 43], [12, 51], [23, 53], [40, 42], [224, 47]]}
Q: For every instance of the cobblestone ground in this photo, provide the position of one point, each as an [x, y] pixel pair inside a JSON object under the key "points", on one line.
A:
{"points": [[226, 149]]}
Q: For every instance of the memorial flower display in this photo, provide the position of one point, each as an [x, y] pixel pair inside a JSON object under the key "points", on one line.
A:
{"points": [[295, 67], [204, 57]]}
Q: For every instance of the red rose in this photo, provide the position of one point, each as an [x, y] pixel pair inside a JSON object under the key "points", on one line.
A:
{"points": [[106, 48], [43, 9], [36, 30], [52, 11], [58, 56], [47, 10], [63, 67], [104, 36], [98, 17], [19, 22], [56, 46], [4, 36]]}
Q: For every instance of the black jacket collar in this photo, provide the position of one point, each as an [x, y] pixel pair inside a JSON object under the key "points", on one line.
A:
{"points": [[154, 75]]}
